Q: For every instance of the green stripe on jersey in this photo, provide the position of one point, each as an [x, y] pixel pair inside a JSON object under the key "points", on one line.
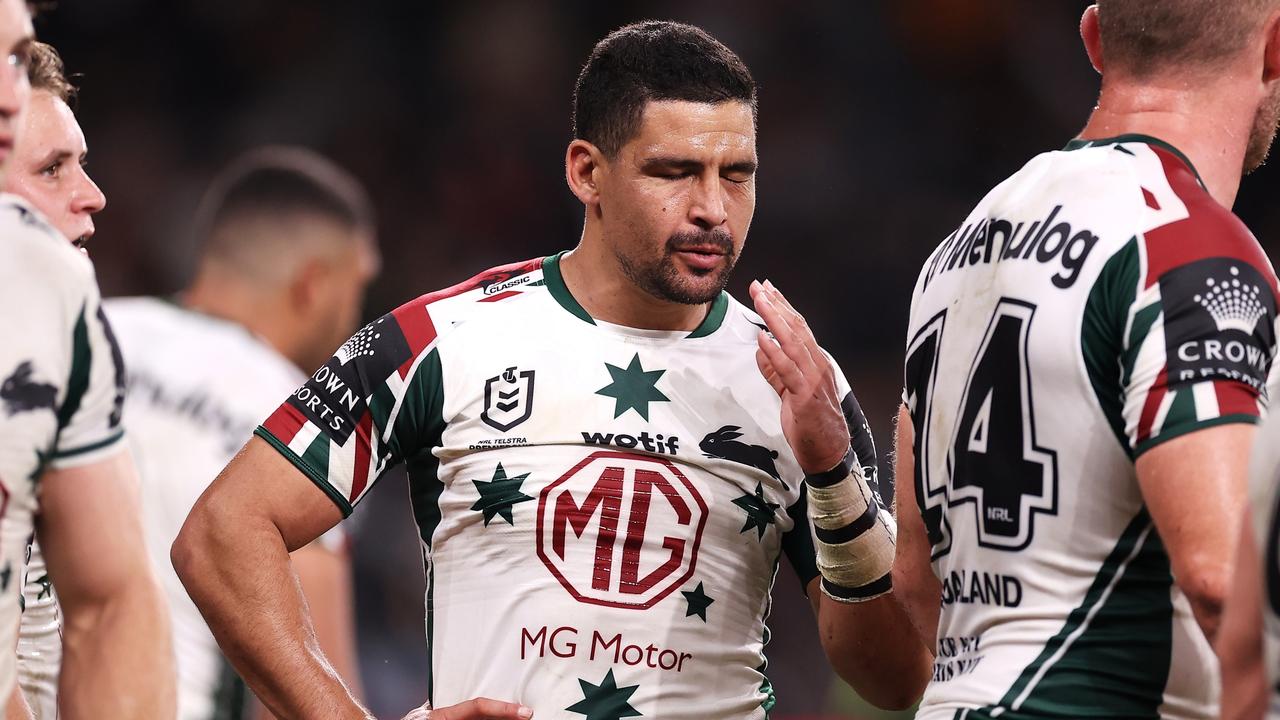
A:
{"points": [[81, 363], [714, 318], [1111, 658], [1105, 314], [560, 291], [317, 474]]}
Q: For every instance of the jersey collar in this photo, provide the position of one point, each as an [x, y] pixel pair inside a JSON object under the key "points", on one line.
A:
{"points": [[1079, 144], [555, 285]]}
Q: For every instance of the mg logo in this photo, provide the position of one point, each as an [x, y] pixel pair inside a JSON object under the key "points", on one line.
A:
{"points": [[621, 529]]}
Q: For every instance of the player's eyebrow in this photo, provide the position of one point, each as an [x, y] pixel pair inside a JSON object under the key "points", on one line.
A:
{"points": [[686, 165], [55, 157]]}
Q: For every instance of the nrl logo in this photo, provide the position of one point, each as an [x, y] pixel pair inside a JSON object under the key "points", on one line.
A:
{"points": [[508, 399]]}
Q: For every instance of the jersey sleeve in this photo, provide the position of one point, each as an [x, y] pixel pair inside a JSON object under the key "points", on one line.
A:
{"points": [[60, 356], [89, 419], [374, 404], [1180, 330]]}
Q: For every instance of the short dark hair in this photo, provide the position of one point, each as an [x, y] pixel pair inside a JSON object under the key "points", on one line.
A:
{"points": [[45, 71], [279, 181], [652, 60], [1141, 37]]}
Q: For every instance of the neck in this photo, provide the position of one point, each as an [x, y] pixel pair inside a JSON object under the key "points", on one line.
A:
{"points": [[597, 281], [1210, 124], [262, 312]]}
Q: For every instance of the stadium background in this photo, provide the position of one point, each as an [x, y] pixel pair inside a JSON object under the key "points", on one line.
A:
{"points": [[881, 123]]}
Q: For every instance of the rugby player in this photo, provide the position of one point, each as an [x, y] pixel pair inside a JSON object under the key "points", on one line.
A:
{"points": [[1088, 355], [48, 172], [64, 469], [599, 472], [286, 248]]}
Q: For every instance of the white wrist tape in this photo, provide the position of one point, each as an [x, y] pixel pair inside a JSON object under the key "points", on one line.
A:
{"points": [[856, 538]]}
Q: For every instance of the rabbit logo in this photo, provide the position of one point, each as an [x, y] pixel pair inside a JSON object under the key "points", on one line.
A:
{"points": [[724, 444]]}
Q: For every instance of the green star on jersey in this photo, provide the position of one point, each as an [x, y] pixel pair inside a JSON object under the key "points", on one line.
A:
{"points": [[633, 388], [760, 512], [698, 602], [498, 495], [605, 701]]}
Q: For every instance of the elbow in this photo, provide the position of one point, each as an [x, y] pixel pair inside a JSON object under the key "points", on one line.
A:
{"points": [[1206, 591], [895, 684], [187, 552]]}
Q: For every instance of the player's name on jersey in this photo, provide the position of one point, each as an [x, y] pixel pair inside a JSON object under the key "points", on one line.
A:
{"points": [[999, 240], [976, 587], [957, 656], [570, 642]]}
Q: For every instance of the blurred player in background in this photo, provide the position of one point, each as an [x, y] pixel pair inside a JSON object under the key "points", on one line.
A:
{"points": [[287, 246], [598, 470], [1088, 355], [48, 171], [64, 468]]}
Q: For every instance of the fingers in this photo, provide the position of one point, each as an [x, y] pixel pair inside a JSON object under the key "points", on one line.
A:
{"points": [[479, 709], [790, 330], [785, 370], [766, 367]]}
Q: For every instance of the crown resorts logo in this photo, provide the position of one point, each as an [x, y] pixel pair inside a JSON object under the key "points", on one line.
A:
{"points": [[360, 344], [1233, 304]]}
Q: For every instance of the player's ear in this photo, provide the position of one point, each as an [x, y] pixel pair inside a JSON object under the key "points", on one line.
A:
{"points": [[1271, 49], [583, 163], [308, 285], [1092, 37]]}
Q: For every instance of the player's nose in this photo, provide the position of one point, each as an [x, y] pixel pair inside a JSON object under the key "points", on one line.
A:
{"points": [[88, 197], [707, 207]]}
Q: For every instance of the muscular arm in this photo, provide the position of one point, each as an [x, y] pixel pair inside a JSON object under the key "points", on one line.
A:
{"points": [[1244, 678], [117, 661], [1194, 487], [233, 554], [325, 577], [913, 580]]}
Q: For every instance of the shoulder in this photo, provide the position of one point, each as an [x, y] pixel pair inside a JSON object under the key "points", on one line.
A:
{"points": [[430, 316], [1195, 228], [36, 255]]}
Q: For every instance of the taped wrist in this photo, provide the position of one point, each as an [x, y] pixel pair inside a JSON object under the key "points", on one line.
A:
{"points": [[855, 537]]}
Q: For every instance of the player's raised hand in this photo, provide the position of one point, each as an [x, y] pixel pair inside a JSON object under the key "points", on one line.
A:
{"points": [[474, 709], [797, 368]]}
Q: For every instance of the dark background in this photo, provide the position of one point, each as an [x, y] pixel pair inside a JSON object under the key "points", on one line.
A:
{"points": [[881, 124]]}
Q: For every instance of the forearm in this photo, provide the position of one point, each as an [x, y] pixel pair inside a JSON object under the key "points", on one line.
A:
{"points": [[117, 661], [240, 577], [874, 647]]}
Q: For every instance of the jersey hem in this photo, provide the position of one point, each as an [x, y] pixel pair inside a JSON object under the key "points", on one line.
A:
{"points": [[1238, 418], [312, 474], [74, 454]]}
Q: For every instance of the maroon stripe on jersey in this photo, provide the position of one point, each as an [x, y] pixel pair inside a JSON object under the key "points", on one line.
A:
{"points": [[415, 322], [285, 423], [1236, 398], [501, 296], [1209, 230], [360, 474], [1154, 397], [414, 317]]}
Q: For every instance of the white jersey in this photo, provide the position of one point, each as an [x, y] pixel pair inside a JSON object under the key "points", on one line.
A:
{"points": [[39, 639], [1092, 306], [1264, 499], [198, 385], [602, 509], [61, 386]]}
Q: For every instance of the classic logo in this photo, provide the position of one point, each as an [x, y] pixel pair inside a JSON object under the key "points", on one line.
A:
{"points": [[1218, 314], [508, 399], [497, 285], [621, 529], [724, 444], [23, 394]]}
